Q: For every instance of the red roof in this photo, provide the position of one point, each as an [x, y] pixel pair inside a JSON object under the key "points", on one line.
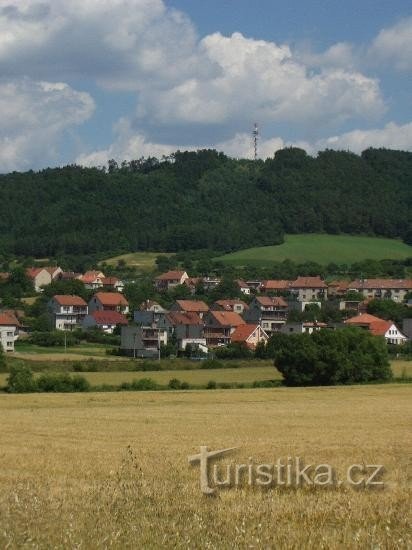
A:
{"points": [[32, 272], [308, 282], [401, 284], [110, 281], [91, 276], [363, 319], [241, 283], [65, 300], [375, 325], [269, 301], [242, 332], [227, 318], [111, 299], [109, 318], [171, 276], [8, 320], [192, 305], [273, 284], [228, 305], [184, 318]]}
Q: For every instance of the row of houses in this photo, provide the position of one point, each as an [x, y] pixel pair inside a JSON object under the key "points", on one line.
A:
{"points": [[304, 289], [92, 280]]}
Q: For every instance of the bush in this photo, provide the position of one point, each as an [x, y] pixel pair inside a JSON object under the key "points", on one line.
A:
{"points": [[348, 356], [62, 383], [55, 338], [144, 384], [2, 359], [212, 364], [20, 380], [234, 351], [211, 385], [175, 384]]}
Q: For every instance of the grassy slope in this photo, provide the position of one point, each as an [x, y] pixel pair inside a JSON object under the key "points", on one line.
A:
{"points": [[111, 470], [321, 249], [144, 261]]}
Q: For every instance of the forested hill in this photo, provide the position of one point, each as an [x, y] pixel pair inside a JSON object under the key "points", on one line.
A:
{"points": [[205, 200]]}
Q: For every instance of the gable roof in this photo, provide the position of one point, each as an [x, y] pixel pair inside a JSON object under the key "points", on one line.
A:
{"points": [[363, 319], [109, 318], [228, 305], [110, 281], [184, 318], [32, 272], [376, 325], [171, 276], [241, 283], [227, 318], [91, 276], [273, 284], [269, 301], [308, 282], [111, 299], [8, 320], [243, 332], [65, 300], [382, 283], [193, 305]]}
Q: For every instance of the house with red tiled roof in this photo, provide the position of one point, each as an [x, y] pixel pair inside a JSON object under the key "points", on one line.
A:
{"points": [[169, 280], [393, 289], [106, 321], [275, 286], [186, 327], [66, 312], [309, 289], [243, 287], [219, 327], [236, 305], [270, 312], [42, 276], [250, 335], [378, 327], [109, 301], [112, 284], [9, 331], [338, 288], [191, 306], [92, 280]]}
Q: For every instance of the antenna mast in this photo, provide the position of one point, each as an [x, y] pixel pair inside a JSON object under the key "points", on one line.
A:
{"points": [[255, 135]]}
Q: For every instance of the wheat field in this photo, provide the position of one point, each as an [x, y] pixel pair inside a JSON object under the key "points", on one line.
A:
{"points": [[111, 470]]}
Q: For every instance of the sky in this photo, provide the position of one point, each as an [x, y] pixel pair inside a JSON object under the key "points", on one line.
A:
{"points": [[85, 81]]}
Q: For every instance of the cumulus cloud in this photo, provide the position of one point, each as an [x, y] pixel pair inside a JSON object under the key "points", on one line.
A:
{"points": [[34, 115], [394, 46]]}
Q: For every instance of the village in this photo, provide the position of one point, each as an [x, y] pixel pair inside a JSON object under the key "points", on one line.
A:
{"points": [[196, 328]]}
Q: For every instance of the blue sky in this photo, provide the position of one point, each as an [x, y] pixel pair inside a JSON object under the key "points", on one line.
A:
{"points": [[88, 80]]}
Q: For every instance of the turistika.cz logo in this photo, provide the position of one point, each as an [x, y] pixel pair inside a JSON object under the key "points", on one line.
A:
{"points": [[290, 472]]}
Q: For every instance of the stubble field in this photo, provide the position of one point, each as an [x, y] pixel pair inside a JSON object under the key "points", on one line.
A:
{"points": [[111, 470]]}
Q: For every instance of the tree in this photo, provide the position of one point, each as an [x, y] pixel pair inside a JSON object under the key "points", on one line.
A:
{"points": [[2, 358], [348, 356]]}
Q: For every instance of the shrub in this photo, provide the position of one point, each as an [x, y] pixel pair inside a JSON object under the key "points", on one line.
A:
{"points": [[55, 338], [234, 351], [348, 356], [144, 384], [62, 383], [175, 384], [212, 364], [2, 359], [20, 380], [184, 386], [211, 385], [145, 366]]}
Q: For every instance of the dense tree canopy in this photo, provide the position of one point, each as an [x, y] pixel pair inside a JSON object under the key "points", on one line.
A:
{"points": [[204, 200]]}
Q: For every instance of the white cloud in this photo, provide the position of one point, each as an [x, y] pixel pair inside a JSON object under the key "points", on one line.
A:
{"points": [[392, 136], [34, 115], [394, 46]]}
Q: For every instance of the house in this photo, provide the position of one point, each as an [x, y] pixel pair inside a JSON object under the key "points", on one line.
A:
{"points": [[106, 321], [192, 283], [209, 283], [243, 287], [219, 327], [92, 280], [69, 276], [308, 327], [238, 306], [143, 342], [66, 312], [309, 289], [280, 286], [9, 331], [338, 288], [109, 301], [149, 313], [250, 335], [112, 284], [254, 284], [269, 312], [190, 306], [378, 327], [42, 276], [169, 280], [186, 327], [391, 289]]}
